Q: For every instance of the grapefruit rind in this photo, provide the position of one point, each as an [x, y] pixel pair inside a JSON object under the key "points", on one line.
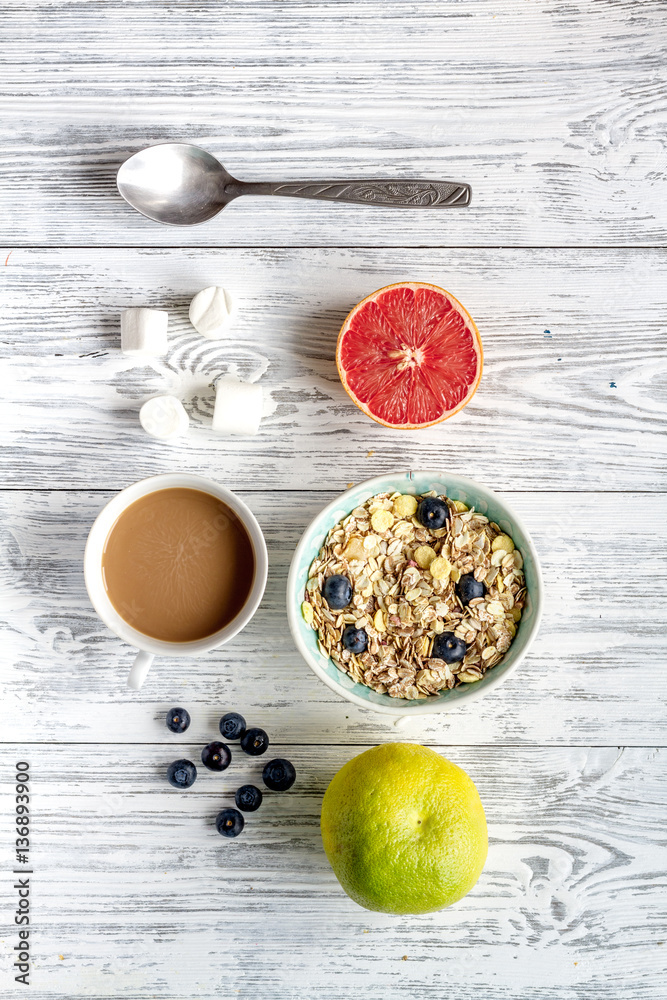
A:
{"points": [[390, 327]]}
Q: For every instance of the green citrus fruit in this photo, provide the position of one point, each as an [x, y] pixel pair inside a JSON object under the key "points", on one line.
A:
{"points": [[404, 829]]}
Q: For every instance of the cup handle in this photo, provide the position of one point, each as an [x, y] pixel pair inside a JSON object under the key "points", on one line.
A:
{"points": [[139, 671]]}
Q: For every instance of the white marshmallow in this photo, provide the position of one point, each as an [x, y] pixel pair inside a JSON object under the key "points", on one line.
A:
{"points": [[143, 332], [238, 406], [211, 311], [164, 417]]}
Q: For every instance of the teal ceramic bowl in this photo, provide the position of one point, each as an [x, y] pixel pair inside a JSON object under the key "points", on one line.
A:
{"points": [[457, 488]]}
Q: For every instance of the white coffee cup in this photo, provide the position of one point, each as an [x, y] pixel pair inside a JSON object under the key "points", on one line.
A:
{"points": [[92, 568]]}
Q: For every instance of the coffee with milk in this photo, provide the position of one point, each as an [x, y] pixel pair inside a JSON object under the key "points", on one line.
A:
{"points": [[178, 565]]}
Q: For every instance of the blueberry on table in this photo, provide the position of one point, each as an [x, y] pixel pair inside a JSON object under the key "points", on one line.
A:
{"points": [[181, 774], [279, 774], [354, 639], [468, 588], [232, 726], [229, 822], [433, 513], [448, 647], [216, 756], [248, 798], [254, 742], [337, 592], [178, 720]]}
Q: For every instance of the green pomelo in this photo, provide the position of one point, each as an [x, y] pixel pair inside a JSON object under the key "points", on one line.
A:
{"points": [[404, 829]]}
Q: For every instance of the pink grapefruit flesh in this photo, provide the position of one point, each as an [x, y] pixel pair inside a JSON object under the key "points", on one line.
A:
{"points": [[409, 355]]}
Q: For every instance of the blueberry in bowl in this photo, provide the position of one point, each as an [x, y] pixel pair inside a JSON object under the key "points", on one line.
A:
{"points": [[448, 647], [433, 512], [337, 592], [469, 589], [355, 640]]}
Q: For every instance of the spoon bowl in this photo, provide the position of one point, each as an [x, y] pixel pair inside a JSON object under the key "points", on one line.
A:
{"points": [[174, 183], [178, 184]]}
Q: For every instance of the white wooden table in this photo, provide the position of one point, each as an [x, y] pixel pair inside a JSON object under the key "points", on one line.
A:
{"points": [[556, 114]]}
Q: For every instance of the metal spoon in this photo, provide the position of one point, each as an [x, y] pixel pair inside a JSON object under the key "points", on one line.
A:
{"points": [[183, 185]]}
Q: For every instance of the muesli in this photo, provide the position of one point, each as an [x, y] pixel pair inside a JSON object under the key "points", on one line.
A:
{"points": [[414, 594]]}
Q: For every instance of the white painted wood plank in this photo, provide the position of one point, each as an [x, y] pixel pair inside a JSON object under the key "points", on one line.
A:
{"points": [[595, 675], [555, 114], [135, 895], [572, 397]]}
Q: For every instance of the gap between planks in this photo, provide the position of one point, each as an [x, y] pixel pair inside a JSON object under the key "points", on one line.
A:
{"points": [[313, 492], [347, 743], [592, 247]]}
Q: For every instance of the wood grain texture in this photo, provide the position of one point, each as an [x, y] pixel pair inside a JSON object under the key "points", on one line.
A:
{"points": [[572, 397], [136, 895], [555, 113], [595, 673]]}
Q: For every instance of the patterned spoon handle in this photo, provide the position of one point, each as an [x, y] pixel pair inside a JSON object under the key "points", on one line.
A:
{"points": [[391, 193]]}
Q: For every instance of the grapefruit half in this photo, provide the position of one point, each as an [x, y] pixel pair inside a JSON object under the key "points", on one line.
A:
{"points": [[409, 355]]}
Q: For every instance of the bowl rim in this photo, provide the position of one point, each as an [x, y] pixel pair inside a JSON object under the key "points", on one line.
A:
{"points": [[427, 706]]}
